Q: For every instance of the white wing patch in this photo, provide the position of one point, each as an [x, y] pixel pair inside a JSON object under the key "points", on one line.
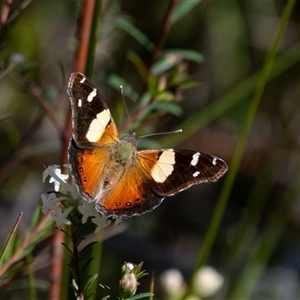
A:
{"points": [[195, 159], [196, 174], [92, 95], [214, 162], [164, 166], [98, 126]]}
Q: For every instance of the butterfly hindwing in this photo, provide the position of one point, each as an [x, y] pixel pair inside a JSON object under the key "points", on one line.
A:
{"points": [[83, 163], [131, 195]]}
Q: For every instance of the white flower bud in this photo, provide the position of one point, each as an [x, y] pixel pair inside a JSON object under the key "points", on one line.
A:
{"points": [[207, 281], [129, 283]]}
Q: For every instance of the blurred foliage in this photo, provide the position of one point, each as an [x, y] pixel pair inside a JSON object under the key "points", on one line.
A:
{"points": [[203, 81]]}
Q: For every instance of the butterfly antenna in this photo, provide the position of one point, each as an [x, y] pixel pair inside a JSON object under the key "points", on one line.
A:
{"points": [[160, 133], [126, 108]]}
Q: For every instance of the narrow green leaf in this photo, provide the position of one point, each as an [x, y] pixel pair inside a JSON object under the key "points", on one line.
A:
{"points": [[182, 8], [106, 287], [138, 63], [165, 96], [67, 248], [172, 57], [72, 270], [135, 33], [105, 298], [88, 282], [84, 265], [89, 296], [186, 54], [142, 295], [86, 250], [170, 107], [145, 99]]}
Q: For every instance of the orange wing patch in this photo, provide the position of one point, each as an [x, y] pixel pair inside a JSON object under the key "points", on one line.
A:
{"points": [[130, 196], [83, 171]]}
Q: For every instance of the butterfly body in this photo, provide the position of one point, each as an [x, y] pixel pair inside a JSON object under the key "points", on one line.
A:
{"points": [[111, 172]]}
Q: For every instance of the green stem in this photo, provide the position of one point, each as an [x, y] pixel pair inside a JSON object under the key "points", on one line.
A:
{"points": [[240, 148]]}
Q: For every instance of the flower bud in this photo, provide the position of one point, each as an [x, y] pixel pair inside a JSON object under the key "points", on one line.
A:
{"points": [[128, 285]]}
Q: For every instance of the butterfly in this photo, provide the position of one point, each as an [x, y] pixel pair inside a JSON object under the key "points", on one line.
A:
{"points": [[112, 174]]}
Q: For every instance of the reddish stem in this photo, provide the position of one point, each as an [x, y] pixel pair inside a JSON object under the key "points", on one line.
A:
{"points": [[84, 25]]}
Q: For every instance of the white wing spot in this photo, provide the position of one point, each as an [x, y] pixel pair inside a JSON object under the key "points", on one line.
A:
{"points": [[214, 162], [79, 102], [195, 159], [98, 126], [164, 166], [196, 174], [92, 95], [82, 80]]}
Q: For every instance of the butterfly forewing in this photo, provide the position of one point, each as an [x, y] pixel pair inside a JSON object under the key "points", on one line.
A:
{"points": [[91, 120], [173, 170]]}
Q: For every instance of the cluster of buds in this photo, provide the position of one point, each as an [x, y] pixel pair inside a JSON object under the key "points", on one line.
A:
{"points": [[130, 274]]}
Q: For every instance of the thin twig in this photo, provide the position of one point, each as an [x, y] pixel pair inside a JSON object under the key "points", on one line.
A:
{"points": [[163, 33], [5, 13], [36, 91]]}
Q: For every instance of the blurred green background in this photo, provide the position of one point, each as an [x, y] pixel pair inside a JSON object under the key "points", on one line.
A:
{"points": [[257, 247]]}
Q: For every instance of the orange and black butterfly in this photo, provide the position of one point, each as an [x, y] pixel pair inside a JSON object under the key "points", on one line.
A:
{"points": [[111, 172]]}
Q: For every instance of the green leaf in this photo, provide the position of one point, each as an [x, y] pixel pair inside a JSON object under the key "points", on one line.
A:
{"points": [[145, 99], [90, 296], [84, 265], [182, 8], [165, 96], [189, 55], [135, 33], [165, 63], [139, 64], [142, 295], [72, 270], [106, 287], [88, 281], [68, 249], [172, 57], [186, 84], [86, 250], [169, 107], [105, 298]]}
